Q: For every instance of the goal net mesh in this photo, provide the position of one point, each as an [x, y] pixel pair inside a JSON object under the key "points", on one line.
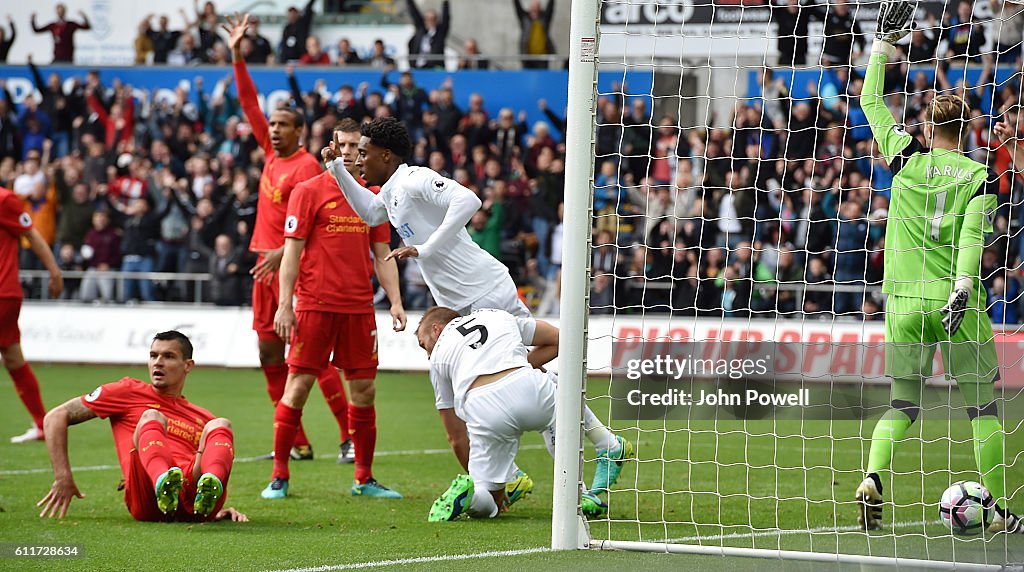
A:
{"points": [[739, 197]]}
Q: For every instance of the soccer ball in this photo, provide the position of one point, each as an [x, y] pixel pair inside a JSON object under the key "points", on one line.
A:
{"points": [[966, 508]]}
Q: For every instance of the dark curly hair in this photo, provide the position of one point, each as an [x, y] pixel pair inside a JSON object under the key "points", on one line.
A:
{"points": [[389, 133]]}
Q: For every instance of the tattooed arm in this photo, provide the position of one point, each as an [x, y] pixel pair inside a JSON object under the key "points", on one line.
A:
{"points": [[56, 502]]}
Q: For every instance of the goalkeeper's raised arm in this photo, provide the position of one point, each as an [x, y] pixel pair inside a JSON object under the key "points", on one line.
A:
{"points": [[893, 24]]}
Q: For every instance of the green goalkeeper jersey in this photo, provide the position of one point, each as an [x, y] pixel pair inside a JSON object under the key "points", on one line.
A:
{"points": [[942, 204]]}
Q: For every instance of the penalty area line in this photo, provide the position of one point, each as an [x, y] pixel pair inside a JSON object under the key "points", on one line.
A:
{"points": [[416, 560], [409, 452]]}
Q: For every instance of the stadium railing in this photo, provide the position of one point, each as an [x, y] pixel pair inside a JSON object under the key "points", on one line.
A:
{"points": [[119, 277]]}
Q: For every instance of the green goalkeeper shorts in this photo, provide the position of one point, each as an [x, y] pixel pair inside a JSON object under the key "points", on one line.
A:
{"points": [[913, 331]]}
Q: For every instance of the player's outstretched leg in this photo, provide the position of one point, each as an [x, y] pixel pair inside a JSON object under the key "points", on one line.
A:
{"points": [[334, 393], [362, 418], [218, 454], [454, 502], [892, 427], [612, 452], [27, 386]]}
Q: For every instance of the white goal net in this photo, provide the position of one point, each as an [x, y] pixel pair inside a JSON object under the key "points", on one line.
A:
{"points": [[727, 210]]}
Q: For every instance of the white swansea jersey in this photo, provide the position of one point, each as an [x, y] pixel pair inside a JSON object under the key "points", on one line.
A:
{"points": [[458, 272], [484, 342]]}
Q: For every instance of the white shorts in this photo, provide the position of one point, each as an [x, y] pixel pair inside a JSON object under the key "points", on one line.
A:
{"points": [[496, 417], [502, 297]]}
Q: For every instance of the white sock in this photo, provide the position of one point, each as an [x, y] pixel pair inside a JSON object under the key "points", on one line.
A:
{"points": [[482, 505], [549, 439], [598, 434]]}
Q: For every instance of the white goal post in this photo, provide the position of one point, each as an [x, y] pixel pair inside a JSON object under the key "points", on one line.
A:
{"points": [[782, 510]]}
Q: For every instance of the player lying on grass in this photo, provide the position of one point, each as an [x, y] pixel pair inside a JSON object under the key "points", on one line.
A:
{"points": [[942, 204], [480, 369], [175, 456], [286, 164], [327, 269]]}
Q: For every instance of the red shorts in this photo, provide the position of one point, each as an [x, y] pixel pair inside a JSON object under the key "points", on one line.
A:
{"points": [[264, 306], [10, 309], [351, 338], [140, 495]]}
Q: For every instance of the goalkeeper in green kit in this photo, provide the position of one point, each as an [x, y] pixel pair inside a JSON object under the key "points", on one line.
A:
{"points": [[942, 204]]}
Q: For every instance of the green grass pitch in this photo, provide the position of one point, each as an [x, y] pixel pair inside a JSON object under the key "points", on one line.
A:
{"points": [[798, 478]]}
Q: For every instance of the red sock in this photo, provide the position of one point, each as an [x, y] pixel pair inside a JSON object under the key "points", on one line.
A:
{"points": [[153, 451], [27, 386], [363, 421], [286, 424], [219, 454], [277, 377], [334, 393]]}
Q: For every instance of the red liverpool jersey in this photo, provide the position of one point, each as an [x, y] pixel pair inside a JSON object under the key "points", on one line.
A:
{"points": [[335, 269], [124, 401], [14, 222], [280, 174]]}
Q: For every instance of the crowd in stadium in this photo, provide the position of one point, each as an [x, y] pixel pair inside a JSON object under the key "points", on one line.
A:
{"points": [[793, 192]]}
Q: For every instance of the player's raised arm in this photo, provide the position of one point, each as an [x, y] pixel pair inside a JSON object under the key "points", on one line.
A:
{"points": [[367, 205], [246, 88], [893, 24], [55, 426], [460, 204]]}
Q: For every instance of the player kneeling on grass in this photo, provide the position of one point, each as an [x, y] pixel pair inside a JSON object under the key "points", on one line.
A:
{"points": [[480, 369], [175, 456], [942, 203]]}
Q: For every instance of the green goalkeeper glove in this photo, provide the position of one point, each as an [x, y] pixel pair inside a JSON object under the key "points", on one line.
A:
{"points": [[953, 311], [894, 19]]}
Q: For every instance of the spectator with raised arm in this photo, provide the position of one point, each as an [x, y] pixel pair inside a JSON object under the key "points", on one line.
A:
{"points": [[7, 41], [426, 47], [164, 39], [535, 32], [256, 48], [293, 37], [63, 32]]}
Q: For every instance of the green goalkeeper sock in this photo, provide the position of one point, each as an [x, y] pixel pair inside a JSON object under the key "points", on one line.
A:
{"points": [[890, 428], [988, 453]]}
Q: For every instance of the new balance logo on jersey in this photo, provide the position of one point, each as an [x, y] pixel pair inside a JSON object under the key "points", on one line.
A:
{"points": [[947, 171]]}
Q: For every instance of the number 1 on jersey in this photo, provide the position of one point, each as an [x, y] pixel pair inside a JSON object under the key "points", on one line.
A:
{"points": [[938, 213]]}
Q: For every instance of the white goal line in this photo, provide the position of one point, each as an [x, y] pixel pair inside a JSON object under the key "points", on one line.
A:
{"points": [[416, 560]]}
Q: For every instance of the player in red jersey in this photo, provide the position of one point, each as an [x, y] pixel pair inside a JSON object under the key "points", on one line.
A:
{"points": [[287, 164], [327, 266], [15, 223], [175, 456]]}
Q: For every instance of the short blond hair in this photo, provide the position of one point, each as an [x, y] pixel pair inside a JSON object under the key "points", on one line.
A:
{"points": [[950, 114]]}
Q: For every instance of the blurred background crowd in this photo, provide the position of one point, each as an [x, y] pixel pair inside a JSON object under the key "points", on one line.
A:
{"points": [[780, 213]]}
